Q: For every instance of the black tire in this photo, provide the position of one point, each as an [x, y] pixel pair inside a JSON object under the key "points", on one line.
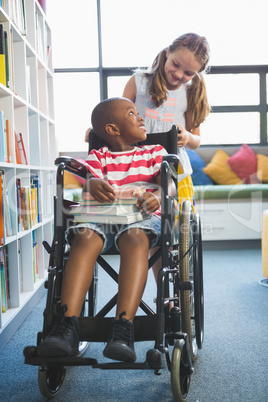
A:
{"points": [[50, 380], [84, 345], [198, 282], [180, 380], [93, 293], [187, 275]]}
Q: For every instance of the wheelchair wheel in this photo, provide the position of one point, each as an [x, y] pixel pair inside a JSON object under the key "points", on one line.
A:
{"points": [[187, 268], [50, 380], [180, 380], [198, 282], [83, 345]]}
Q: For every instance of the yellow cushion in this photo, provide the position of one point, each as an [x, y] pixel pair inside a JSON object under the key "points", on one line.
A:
{"points": [[262, 168], [70, 181], [219, 170]]}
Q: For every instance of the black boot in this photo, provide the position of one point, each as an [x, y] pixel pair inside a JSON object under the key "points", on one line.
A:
{"points": [[63, 339], [121, 343]]}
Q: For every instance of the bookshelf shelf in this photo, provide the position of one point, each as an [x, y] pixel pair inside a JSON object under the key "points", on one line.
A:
{"points": [[26, 102]]}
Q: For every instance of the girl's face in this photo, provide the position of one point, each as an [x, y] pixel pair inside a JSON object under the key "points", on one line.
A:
{"points": [[181, 66]]}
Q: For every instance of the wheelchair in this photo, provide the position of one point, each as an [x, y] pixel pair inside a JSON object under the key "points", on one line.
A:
{"points": [[176, 324]]}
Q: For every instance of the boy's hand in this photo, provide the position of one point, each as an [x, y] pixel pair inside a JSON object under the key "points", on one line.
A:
{"points": [[99, 189], [148, 203]]}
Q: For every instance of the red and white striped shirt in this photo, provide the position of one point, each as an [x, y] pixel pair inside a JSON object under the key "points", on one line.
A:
{"points": [[139, 166]]}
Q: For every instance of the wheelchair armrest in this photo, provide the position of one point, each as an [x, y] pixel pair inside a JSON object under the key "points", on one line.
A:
{"points": [[72, 165]]}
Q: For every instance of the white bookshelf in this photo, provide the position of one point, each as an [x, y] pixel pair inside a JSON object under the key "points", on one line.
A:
{"points": [[28, 105]]}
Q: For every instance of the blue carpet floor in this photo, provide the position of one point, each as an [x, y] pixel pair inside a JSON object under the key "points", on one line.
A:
{"points": [[231, 367]]}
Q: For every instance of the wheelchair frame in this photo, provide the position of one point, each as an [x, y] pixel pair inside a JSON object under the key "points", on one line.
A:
{"points": [[180, 284]]}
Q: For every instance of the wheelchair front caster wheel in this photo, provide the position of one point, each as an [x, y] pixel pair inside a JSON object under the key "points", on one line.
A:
{"points": [[50, 380], [155, 359], [180, 379]]}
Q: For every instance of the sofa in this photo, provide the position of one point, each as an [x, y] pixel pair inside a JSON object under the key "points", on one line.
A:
{"points": [[231, 191]]}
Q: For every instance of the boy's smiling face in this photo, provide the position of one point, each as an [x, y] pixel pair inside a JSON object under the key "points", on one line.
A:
{"points": [[129, 123]]}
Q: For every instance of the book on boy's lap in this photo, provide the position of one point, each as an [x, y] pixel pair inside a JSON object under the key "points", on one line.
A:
{"points": [[104, 209], [110, 219], [122, 211]]}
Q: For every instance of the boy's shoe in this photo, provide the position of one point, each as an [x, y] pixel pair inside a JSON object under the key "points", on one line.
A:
{"points": [[63, 339], [121, 343]]}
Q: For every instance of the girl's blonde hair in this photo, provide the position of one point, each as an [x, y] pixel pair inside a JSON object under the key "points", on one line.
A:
{"points": [[197, 103]]}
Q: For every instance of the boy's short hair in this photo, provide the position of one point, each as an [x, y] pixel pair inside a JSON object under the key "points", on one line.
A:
{"points": [[103, 114]]}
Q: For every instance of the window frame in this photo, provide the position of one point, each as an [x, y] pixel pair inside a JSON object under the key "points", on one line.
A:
{"points": [[261, 70]]}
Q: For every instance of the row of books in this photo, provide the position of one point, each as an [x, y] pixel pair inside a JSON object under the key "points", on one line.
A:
{"points": [[6, 52], [123, 211], [6, 46], [28, 203], [28, 206], [18, 15], [4, 271], [6, 143]]}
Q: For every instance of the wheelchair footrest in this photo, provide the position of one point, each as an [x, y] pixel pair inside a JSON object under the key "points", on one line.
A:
{"points": [[154, 360], [32, 358]]}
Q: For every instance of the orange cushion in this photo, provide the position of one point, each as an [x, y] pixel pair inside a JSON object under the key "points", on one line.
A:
{"points": [[219, 170], [70, 181], [262, 168]]}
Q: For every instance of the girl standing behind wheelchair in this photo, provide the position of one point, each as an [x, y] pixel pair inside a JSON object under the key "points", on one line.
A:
{"points": [[172, 91]]}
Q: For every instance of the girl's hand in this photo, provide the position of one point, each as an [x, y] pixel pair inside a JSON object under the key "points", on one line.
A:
{"points": [[183, 136], [148, 203], [86, 139], [99, 189]]}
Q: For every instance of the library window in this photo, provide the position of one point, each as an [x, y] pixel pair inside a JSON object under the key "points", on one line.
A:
{"points": [[113, 37]]}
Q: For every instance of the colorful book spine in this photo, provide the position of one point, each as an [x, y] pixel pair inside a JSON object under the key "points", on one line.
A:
{"points": [[33, 204], [6, 59], [4, 295], [8, 140], [2, 56], [2, 137], [19, 211], [35, 257], [37, 185], [6, 206], [17, 150], [25, 207], [2, 214], [22, 149]]}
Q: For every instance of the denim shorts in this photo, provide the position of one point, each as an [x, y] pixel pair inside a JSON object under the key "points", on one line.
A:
{"points": [[111, 233]]}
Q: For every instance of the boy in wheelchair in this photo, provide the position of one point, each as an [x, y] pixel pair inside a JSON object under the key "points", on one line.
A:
{"points": [[119, 163]]}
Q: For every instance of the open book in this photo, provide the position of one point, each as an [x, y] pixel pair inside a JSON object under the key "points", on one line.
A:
{"points": [[123, 193]]}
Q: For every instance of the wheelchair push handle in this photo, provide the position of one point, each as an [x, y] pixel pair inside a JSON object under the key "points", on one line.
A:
{"points": [[73, 165]]}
